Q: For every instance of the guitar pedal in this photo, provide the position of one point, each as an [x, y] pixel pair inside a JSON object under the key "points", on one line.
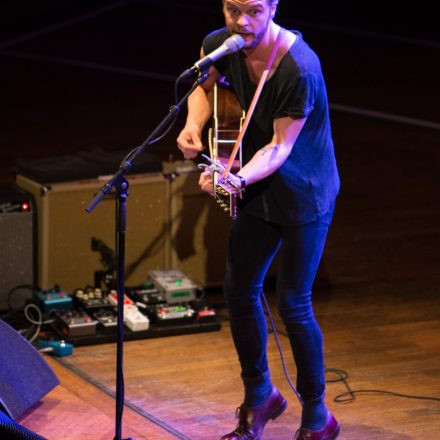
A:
{"points": [[73, 323], [92, 300], [107, 319], [173, 285], [172, 314], [52, 299], [133, 318]]}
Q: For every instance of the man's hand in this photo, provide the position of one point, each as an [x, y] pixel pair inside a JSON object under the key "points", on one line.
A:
{"points": [[235, 181], [205, 182], [189, 142]]}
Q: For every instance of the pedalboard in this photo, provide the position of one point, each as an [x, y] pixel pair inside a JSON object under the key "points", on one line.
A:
{"points": [[169, 300]]}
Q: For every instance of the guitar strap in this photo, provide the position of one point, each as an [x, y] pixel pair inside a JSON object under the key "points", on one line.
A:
{"points": [[254, 102]]}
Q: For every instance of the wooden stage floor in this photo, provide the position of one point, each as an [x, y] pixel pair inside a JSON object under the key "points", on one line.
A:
{"points": [[187, 387]]}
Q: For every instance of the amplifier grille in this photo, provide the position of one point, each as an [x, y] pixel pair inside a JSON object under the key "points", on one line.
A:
{"points": [[16, 244]]}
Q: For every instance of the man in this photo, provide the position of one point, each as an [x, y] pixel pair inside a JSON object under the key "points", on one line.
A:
{"points": [[290, 183]]}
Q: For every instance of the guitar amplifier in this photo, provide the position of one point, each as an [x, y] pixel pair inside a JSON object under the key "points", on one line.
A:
{"points": [[65, 230], [17, 243]]}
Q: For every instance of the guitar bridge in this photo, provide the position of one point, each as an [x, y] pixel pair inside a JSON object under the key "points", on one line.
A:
{"points": [[226, 196]]}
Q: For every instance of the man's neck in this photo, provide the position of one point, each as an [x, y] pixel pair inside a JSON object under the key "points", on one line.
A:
{"points": [[264, 48]]}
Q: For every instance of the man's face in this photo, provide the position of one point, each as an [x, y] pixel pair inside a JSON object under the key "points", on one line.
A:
{"points": [[248, 18]]}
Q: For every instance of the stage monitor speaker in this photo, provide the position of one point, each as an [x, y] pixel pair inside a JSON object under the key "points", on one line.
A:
{"points": [[17, 236], [25, 377], [10, 430], [66, 230]]}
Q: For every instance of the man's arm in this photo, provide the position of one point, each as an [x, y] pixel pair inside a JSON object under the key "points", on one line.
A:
{"points": [[199, 111], [268, 158]]}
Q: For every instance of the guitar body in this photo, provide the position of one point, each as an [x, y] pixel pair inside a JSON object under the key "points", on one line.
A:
{"points": [[228, 118]]}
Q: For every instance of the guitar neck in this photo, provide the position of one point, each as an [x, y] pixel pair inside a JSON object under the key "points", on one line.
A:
{"points": [[228, 118]]}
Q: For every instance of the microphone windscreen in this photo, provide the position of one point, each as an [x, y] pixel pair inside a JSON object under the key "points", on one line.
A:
{"points": [[234, 43]]}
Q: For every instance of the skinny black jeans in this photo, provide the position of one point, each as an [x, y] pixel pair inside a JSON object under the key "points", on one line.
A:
{"points": [[253, 243]]}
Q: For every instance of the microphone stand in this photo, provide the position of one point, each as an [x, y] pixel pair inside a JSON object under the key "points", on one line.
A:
{"points": [[121, 185]]}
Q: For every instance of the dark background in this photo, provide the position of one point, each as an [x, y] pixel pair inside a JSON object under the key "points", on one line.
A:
{"points": [[59, 97]]}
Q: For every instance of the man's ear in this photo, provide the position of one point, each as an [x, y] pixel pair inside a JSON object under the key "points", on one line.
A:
{"points": [[273, 9]]}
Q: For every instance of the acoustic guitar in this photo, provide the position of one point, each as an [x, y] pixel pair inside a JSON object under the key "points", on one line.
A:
{"points": [[227, 122], [223, 135]]}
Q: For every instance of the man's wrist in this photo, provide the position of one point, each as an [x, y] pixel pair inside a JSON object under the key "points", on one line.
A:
{"points": [[242, 182]]}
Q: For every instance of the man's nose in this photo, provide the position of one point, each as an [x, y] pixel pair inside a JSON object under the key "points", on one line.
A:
{"points": [[243, 20]]}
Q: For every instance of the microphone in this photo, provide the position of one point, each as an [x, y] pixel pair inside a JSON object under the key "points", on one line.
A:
{"points": [[230, 45]]}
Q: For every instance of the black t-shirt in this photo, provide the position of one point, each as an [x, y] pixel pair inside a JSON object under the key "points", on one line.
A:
{"points": [[307, 183]]}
